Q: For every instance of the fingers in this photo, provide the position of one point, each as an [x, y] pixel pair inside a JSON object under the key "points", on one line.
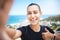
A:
{"points": [[45, 34], [44, 37]]}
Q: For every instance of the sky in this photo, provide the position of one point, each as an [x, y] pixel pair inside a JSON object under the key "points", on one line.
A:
{"points": [[48, 7]]}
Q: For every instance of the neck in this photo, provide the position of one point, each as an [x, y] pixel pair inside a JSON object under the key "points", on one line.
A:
{"points": [[35, 28]]}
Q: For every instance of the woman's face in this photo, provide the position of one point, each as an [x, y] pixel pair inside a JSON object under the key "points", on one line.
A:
{"points": [[33, 14]]}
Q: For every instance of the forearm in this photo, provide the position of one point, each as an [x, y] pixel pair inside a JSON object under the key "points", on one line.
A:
{"points": [[11, 32]]}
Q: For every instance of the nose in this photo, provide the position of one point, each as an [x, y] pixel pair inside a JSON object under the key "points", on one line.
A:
{"points": [[32, 15]]}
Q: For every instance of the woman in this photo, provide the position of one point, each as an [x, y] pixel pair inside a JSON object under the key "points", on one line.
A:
{"points": [[34, 31]]}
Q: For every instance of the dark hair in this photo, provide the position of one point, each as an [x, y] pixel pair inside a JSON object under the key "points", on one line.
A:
{"points": [[34, 4]]}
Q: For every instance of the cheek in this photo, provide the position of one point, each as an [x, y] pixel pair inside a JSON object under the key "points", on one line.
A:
{"points": [[37, 16], [28, 17]]}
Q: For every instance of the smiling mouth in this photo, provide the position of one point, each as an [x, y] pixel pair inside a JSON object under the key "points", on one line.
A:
{"points": [[33, 20]]}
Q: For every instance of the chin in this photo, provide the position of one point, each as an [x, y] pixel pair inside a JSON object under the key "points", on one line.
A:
{"points": [[33, 23]]}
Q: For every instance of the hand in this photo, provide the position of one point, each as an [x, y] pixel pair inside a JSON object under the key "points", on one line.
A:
{"points": [[4, 11], [4, 35], [46, 35]]}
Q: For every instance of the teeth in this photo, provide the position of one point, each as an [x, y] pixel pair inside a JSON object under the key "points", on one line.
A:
{"points": [[33, 20]]}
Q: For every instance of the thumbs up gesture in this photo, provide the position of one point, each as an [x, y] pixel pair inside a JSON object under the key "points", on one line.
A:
{"points": [[46, 35]]}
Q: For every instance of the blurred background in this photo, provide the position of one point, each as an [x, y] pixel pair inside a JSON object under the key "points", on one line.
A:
{"points": [[50, 13]]}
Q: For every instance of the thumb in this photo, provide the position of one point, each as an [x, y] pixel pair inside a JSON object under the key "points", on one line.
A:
{"points": [[46, 30]]}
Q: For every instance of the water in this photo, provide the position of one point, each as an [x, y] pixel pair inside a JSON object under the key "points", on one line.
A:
{"points": [[19, 18], [16, 19]]}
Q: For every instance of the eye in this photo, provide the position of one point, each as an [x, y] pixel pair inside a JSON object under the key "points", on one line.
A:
{"points": [[35, 12], [29, 13]]}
